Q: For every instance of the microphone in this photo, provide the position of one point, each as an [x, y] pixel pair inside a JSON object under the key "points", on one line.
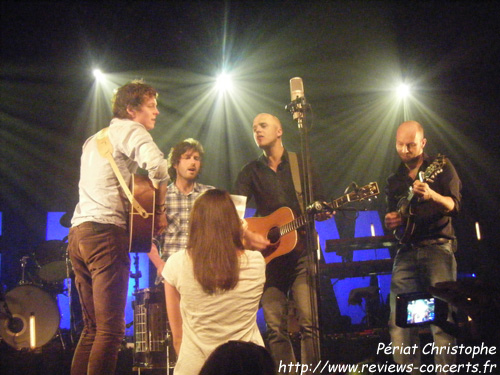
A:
{"points": [[298, 103], [296, 88]]}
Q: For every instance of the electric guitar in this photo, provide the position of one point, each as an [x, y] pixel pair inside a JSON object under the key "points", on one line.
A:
{"points": [[406, 204], [141, 227], [280, 227]]}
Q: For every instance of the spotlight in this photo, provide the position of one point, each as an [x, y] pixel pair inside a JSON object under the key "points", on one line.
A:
{"points": [[403, 91], [98, 74], [224, 82]]}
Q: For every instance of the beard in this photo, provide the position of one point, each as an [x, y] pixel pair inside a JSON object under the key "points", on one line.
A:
{"points": [[411, 161]]}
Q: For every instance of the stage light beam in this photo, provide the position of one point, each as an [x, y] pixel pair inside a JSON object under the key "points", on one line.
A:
{"points": [[224, 82], [98, 74], [403, 91]]}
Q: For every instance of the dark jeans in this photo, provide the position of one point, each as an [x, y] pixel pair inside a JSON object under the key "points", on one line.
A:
{"points": [[99, 254], [287, 275], [416, 267]]}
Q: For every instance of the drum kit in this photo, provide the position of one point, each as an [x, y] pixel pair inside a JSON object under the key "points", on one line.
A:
{"points": [[32, 307], [29, 313]]}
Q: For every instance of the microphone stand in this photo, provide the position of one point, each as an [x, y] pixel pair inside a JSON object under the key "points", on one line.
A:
{"points": [[298, 108]]}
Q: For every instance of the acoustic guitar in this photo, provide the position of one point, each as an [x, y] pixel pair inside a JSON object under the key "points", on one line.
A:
{"points": [[280, 227], [141, 227], [406, 205]]}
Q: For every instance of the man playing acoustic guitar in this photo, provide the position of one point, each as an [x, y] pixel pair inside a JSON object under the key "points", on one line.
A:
{"points": [[422, 196], [268, 180], [98, 240]]}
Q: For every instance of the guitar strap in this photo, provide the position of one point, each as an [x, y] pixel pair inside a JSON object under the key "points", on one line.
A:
{"points": [[294, 167], [105, 149]]}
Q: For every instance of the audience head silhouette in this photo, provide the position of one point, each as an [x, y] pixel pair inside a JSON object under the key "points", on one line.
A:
{"points": [[239, 358]]}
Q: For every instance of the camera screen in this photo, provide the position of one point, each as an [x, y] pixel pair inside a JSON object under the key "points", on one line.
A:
{"points": [[420, 311]]}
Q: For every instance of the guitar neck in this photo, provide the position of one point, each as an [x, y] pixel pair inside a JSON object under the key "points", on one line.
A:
{"points": [[304, 219], [364, 192], [294, 224]]}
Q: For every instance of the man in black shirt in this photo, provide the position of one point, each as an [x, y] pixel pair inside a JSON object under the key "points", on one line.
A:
{"points": [[268, 180], [426, 254]]}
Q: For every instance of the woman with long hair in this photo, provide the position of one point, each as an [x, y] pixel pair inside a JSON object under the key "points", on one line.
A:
{"points": [[213, 288]]}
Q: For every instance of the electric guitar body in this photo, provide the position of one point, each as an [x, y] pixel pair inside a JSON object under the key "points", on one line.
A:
{"points": [[406, 205]]}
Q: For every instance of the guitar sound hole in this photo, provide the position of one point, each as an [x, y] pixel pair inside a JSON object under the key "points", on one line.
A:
{"points": [[274, 235]]}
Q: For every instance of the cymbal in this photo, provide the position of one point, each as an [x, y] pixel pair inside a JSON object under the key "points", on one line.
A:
{"points": [[65, 220]]}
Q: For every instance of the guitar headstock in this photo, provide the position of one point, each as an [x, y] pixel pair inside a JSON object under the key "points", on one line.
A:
{"points": [[358, 194], [435, 168], [367, 191]]}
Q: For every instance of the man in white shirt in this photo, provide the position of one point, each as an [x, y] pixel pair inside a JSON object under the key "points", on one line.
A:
{"points": [[98, 238]]}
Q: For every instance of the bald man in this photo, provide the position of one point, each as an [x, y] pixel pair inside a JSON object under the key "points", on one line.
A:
{"points": [[268, 180], [426, 254]]}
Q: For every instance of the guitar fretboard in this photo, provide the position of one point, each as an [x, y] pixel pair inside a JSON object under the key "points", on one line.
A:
{"points": [[293, 225], [362, 193]]}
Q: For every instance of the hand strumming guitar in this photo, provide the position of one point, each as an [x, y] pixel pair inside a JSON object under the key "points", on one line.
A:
{"points": [[253, 240], [160, 209], [393, 220]]}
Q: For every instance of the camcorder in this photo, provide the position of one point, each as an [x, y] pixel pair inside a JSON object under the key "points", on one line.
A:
{"points": [[419, 309]]}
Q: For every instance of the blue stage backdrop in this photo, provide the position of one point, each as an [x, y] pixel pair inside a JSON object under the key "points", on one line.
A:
{"points": [[327, 230], [57, 232]]}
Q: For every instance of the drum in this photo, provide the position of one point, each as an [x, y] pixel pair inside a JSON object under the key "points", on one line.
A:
{"points": [[153, 346], [51, 258], [22, 302]]}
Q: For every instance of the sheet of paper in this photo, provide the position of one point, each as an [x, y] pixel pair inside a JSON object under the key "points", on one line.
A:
{"points": [[240, 201]]}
